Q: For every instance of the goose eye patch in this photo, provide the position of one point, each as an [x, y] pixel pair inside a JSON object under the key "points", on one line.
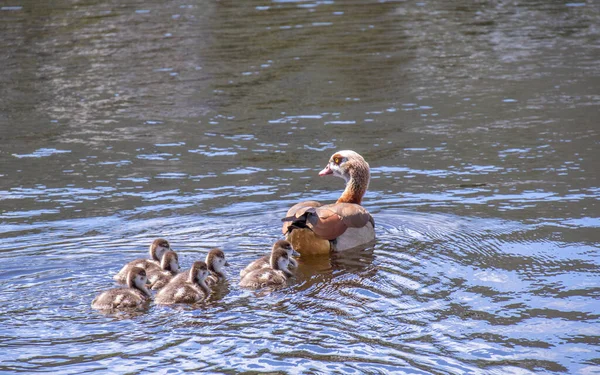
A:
{"points": [[337, 160]]}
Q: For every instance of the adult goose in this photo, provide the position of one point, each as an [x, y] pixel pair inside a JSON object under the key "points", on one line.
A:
{"points": [[313, 228]]}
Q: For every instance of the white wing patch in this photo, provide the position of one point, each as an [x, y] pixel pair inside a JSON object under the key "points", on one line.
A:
{"points": [[354, 237], [180, 293]]}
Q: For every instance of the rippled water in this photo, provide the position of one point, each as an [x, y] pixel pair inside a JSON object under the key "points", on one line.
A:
{"points": [[203, 122]]}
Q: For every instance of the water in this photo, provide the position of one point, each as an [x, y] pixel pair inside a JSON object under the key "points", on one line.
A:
{"points": [[203, 122]]}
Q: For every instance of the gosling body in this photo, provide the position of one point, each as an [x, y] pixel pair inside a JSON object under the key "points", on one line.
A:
{"points": [[276, 275], [134, 295], [264, 262], [190, 288], [215, 261], [169, 267], [157, 249]]}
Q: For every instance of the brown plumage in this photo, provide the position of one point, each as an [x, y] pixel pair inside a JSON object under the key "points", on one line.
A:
{"points": [[215, 260], [314, 228], [275, 275], [169, 267], [264, 262], [157, 248], [132, 296], [188, 289]]}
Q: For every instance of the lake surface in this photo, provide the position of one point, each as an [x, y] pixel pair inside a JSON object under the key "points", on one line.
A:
{"points": [[202, 122]]}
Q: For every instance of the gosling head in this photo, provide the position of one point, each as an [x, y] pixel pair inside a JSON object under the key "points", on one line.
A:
{"points": [[198, 274], [285, 245], [158, 248], [170, 262], [136, 279], [280, 260], [215, 259]]}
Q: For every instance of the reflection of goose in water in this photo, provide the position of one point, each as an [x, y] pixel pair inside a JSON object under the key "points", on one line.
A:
{"points": [[313, 228], [405, 239], [321, 271]]}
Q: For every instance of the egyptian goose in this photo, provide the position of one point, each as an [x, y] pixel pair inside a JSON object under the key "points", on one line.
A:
{"points": [[276, 275], [313, 228], [264, 262], [169, 267], [189, 289], [157, 248], [132, 296]]}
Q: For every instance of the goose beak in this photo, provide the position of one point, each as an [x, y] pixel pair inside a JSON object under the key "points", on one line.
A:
{"points": [[295, 253], [326, 171]]}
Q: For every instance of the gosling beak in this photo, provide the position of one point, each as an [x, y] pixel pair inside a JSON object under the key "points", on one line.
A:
{"points": [[226, 264], [295, 253]]}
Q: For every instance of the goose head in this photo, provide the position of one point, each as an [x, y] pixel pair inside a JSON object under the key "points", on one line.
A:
{"points": [[353, 168]]}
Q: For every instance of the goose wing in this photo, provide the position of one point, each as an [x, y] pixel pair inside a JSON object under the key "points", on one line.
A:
{"points": [[328, 221]]}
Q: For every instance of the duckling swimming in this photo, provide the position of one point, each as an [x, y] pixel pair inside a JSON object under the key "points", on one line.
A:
{"points": [[264, 261], [156, 250], [191, 288], [169, 267], [215, 260], [134, 295], [276, 275]]}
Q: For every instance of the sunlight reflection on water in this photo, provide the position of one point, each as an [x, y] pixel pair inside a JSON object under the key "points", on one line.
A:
{"points": [[203, 123]]}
